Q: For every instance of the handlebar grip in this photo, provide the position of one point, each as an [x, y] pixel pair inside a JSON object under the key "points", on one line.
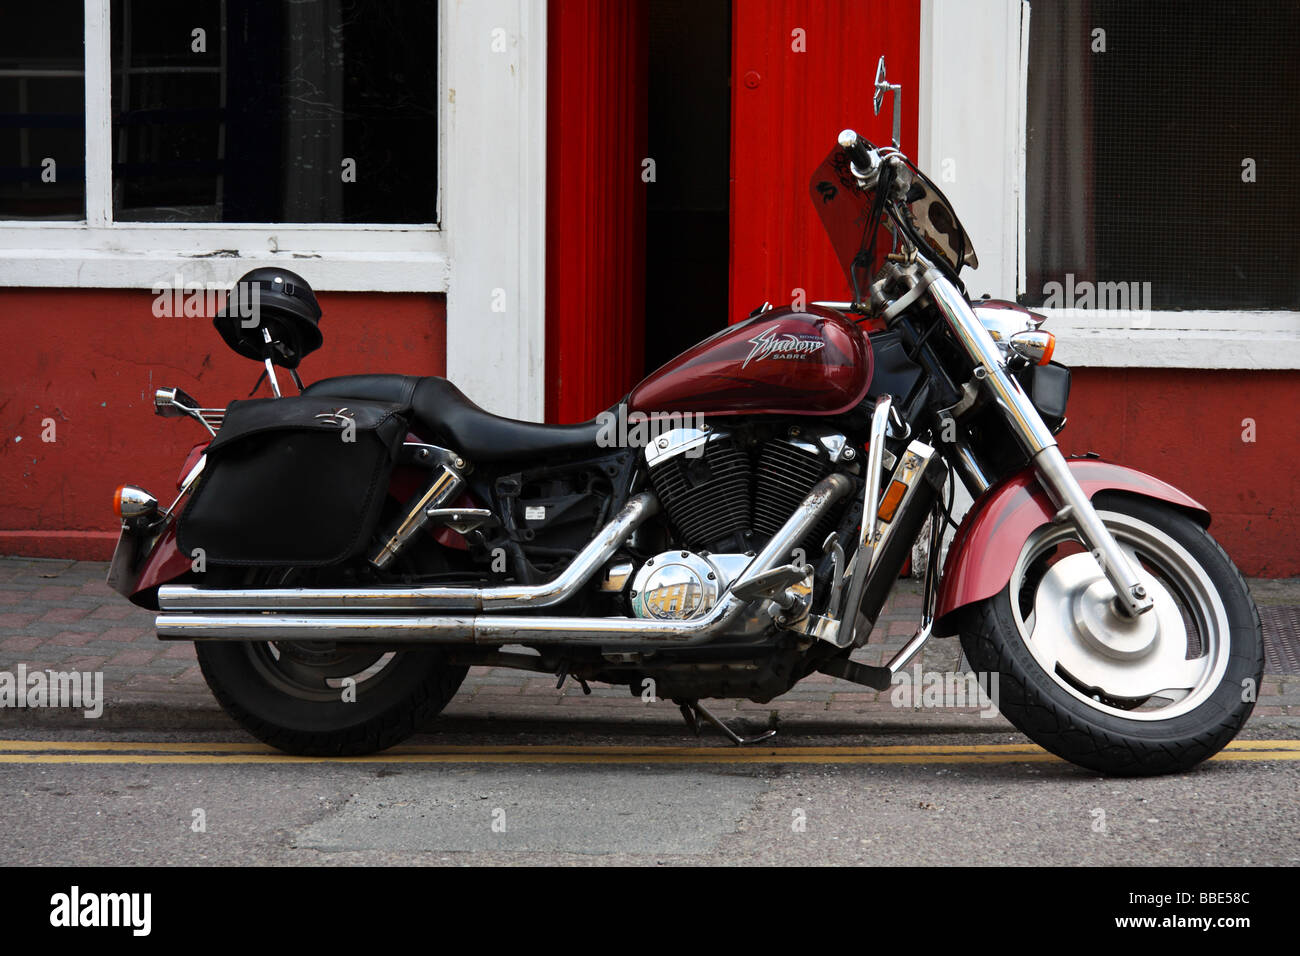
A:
{"points": [[857, 149]]}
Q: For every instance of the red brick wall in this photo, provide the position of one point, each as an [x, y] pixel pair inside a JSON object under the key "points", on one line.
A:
{"points": [[1185, 426], [90, 360]]}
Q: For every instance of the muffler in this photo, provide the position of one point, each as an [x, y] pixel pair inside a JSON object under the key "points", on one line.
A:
{"points": [[342, 621]]}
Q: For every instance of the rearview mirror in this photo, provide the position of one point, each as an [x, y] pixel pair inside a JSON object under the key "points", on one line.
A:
{"points": [[883, 86]]}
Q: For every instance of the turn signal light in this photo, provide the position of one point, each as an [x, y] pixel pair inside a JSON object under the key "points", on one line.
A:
{"points": [[1035, 346], [893, 497], [132, 502]]}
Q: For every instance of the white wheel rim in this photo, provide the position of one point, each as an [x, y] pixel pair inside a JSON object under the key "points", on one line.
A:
{"points": [[1094, 654]]}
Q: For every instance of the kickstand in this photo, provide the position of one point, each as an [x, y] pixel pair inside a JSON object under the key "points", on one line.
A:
{"points": [[693, 710]]}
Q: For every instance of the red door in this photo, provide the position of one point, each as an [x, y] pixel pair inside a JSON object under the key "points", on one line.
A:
{"points": [[802, 70], [595, 204]]}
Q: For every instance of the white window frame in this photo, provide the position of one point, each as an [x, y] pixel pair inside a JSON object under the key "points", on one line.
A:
{"points": [[486, 253], [975, 53]]}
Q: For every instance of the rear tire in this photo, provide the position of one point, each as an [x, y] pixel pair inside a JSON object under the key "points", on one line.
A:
{"points": [[412, 688], [1084, 722]]}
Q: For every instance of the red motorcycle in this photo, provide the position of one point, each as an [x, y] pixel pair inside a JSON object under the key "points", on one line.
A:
{"points": [[341, 557]]}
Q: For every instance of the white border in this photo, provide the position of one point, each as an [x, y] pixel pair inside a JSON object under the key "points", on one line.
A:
{"points": [[495, 118], [975, 53]]}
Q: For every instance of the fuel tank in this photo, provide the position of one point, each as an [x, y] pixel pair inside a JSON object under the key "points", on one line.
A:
{"points": [[782, 362]]}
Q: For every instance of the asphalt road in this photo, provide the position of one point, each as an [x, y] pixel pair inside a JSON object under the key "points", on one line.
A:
{"points": [[76, 798]]}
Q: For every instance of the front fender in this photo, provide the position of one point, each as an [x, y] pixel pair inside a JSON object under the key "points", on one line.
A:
{"points": [[988, 543]]}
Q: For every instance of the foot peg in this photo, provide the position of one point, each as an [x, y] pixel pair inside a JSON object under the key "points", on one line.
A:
{"points": [[693, 710], [773, 584]]}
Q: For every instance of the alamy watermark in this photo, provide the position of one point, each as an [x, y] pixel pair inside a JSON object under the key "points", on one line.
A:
{"points": [[936, 689], [1086, 294], [74, 908], [624, 429], [195, 300], [80, 690]]}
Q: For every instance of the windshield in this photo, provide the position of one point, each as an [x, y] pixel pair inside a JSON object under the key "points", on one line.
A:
{"points": [[846, 213], [861, 232]]}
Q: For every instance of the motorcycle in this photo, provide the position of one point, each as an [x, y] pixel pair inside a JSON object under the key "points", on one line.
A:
{"points": [[735, 524]]}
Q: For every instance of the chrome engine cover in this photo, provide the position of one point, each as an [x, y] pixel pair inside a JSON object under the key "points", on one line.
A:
{"points": [[680, 585]]}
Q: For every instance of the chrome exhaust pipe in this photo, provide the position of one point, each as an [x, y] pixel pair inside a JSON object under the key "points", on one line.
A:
{"points": [[497, 629], [183, 597]]}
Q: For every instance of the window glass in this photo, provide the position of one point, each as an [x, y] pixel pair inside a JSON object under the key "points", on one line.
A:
{"points": [[1163, 154], [42, 111], [293, 111]]}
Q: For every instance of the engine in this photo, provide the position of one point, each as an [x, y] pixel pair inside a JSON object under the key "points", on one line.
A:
{"points": [[730, 492]]}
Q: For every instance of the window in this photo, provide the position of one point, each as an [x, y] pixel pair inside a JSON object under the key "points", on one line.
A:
{"points": [[1162, 148], [150, 141], [274, 111], [195, 158], [1097, 151]]}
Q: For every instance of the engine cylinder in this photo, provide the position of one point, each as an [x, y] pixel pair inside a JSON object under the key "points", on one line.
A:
{"points": [[728, 498], [707, 497]]}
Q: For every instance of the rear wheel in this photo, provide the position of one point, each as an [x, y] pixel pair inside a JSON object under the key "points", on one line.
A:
{"points": [[1155, 694], [320, 698], [314, 698]]}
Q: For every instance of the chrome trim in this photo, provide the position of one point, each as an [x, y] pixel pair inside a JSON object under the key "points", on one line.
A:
{"points": [[836, 445], [187, 484], [427, 456], [1064, 490], [680, 441], [135, 502], [929, 595], [860, 563], [270, 367], [1002, 324], [462, 520], [980, 346], [1032, 345], [445, 484], [595, 555], [917, 460], [170, 402], [920, 284], [507, 629], [908, 650], [675, 586]]}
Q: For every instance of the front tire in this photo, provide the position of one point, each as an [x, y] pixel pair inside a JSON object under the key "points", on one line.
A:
{"points": [[1132, 698]]}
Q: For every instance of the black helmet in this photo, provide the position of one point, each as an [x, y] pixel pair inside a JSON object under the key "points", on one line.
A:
{"points": [[279, 301]]}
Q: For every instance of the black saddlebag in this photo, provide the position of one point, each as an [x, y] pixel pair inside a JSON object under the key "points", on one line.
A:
{"points": [[293, 481]]}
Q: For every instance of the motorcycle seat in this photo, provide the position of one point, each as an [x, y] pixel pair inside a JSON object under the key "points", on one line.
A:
{"points": [[445, 411]]}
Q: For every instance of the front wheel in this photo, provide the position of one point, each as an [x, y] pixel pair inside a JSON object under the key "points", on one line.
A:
{"points": [[1154, 694]]}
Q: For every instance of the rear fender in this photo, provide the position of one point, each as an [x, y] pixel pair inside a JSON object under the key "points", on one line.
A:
{"points": [[164, 563], [988, 543]]}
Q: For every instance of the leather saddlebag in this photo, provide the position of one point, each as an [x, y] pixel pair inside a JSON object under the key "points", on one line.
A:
{"points": [[293, 481]]}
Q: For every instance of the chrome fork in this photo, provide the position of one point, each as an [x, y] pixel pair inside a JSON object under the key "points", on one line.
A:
{"points": [[1054, 474]]}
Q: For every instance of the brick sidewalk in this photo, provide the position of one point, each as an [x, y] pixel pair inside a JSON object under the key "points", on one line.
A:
{"points": [[59, 615]]}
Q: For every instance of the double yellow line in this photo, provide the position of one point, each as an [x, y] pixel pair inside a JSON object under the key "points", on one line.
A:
{"points": [[149, 752]]}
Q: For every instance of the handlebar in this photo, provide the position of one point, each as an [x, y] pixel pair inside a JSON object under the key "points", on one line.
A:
{"points": [[861, 153]]}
